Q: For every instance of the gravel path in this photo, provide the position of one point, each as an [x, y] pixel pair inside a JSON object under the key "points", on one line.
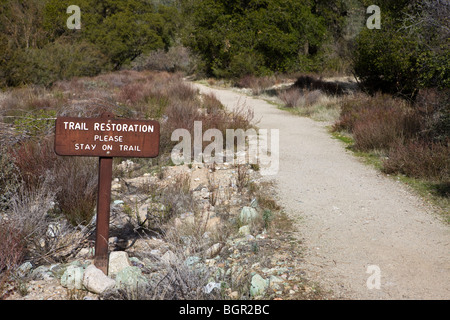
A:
{"points": [[357, 226]]}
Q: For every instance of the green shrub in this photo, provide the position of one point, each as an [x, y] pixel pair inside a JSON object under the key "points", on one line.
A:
{"points": [[236, 38], [409, 52], [36, 124], [55, 61], [176, 59], [385, 60]]}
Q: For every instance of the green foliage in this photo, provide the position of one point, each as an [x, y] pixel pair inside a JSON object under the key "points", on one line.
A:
{"points": [[231, 39], [37, 47], [409, 52], [121, 30], [38, 124], [124, 36], [385, 60], [235, 38], [55, 61]]}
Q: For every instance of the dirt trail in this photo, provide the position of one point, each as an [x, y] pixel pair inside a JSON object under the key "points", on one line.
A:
{"points": [[350, 217]]}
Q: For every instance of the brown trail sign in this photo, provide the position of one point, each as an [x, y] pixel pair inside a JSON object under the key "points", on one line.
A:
{"points": [[106, 137]]}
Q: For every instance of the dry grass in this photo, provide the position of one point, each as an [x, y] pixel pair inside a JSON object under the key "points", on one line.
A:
{"points": [[54, 197], [314, 104], [257, 84], [402, 138], [429, 161], [377, 122]]}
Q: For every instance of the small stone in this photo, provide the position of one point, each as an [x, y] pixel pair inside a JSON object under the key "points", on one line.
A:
{"points": [[169, 257], [155, 252], [42, 273], [130, 278], [24, 269], [96, 281], [248, 214], [118, 260], [258, 285], [244, 230], [234, 295], [72, 278], [275, 283]]}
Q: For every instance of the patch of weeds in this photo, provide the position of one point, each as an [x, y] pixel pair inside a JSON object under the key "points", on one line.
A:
{"points": [[36, 124], [342, 136], [76, 294], [267, 218]]}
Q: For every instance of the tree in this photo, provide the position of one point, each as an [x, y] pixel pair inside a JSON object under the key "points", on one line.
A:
{"points": [[37, 47], [253, 36], [409, 52], [428, 22], [122, 30]]}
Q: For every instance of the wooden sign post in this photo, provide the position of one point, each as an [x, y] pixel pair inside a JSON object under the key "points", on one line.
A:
{"points": [[105, 137]]}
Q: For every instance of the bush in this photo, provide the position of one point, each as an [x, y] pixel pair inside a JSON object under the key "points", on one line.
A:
{"points": [[176, 59], [380, 128], [380, 121], [28, 214], [211, 104], [409, 52], [377, 122], [12, 248], [77, 180], [433, 105], [34, 160], [290, 97], [12, 252], [238, 38], [385, 61], [74, 179], [10, 179], [257, 84], [37, 124], [55, 61], [429, 161], [312, 83]]}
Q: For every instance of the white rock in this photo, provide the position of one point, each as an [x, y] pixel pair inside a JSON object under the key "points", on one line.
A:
{"points": [[24, 269], [210, 286], [169, 257], [258, 285], [244, 230], [248, 214], [72, 278], [96, 281], [131, 278], [118, 260]]}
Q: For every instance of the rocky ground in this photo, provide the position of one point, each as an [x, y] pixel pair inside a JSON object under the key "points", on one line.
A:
{"points": [[182, 232]]}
